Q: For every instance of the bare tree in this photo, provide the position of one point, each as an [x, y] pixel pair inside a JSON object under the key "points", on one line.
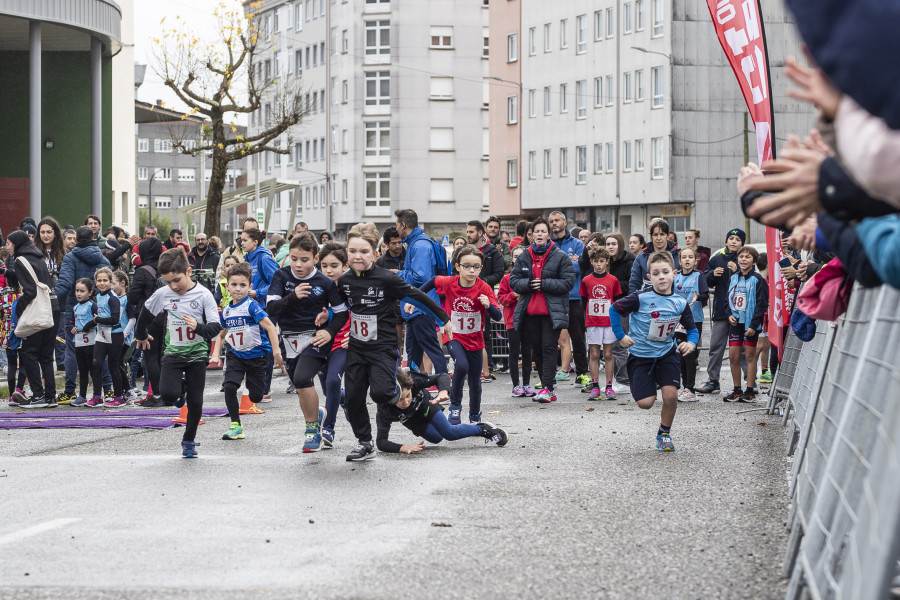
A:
{"points": [[220, 81]]}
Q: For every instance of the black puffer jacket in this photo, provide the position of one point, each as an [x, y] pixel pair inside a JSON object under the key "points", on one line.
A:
{"points": [[145, 277], [621, 269], [20, 275], [557, 280]]}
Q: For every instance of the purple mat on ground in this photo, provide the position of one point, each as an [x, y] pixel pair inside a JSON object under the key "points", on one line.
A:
{"points": [[95, 414], [147, 423]]}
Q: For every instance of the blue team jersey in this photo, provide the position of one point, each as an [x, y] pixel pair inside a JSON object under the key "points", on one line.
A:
{"points": [[83, 312], [653, 318], [107, 304], [123, 318], [687, 286], [245, 336]]}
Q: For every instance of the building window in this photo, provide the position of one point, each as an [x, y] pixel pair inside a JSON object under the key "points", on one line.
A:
{"points": [[564, 34], [345, 191], [581, 99], [638, 155], [610, 22], [441, 138], [627, 84], [563, 162], [657, 150], [298, 154], [563, 97], [298, 61], [626, 156], [532, 165], [512, 47], [610, 91], [143, 173], [298, 16], [345, 42], [378, 138], [610, 158], [581, 34], [163, 175], [548, 38], [378, 88], [345, 141], [598, 159], [658, 17], [639, 15], [598, 25], [548, 100], [345, 91], [639, 85], [598, 92], [315, 152], [162, 145], [656, 86], [378, 38], [441, 88], [486, 45], [378, 194], [512, 110], [143, 202], [442, 38], [163, 201], [548, 164], [186, 200], [315, 196], [187, 174], [532, 102], [315, 102], [143, 145], [532, 42], [581, 164], [626, 18], [512, 172], [441, 190]]}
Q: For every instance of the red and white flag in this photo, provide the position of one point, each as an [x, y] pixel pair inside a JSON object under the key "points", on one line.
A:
{"points": [[739, 27]]}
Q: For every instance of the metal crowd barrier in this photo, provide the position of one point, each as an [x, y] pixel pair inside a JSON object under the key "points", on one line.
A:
{"points": [[845, 480]]}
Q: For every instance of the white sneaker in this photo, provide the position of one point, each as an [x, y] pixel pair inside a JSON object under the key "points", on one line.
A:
{"points": [[621, 388], [688, 396], [681, 393]]}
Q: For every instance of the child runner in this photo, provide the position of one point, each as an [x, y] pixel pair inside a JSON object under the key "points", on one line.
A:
{"points": [[109, 339], [652, 360], [748, 299], [690, 285], [15, 377], [297, 295], [191, 319], [415, 409], [509, 299], [469, 299], [598, 291], [372, 355], [82, 325], [243, 321], [127, 321]]}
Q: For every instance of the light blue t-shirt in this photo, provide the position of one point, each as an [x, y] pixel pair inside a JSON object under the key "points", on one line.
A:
{"points": [[652, 318], [687, 286]]}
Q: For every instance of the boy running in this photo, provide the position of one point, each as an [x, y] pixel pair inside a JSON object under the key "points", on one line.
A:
{"points": [[652, 360], [748, 299], [598, 291]]}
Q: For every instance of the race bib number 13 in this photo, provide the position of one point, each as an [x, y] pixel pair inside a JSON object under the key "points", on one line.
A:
{"points": [[466, 322], [364, 327]]}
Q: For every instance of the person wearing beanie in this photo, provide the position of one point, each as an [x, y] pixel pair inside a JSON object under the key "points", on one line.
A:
{"points": [[143, 285], [37, 348], [718, 275], [31, 230], [83, 261]]}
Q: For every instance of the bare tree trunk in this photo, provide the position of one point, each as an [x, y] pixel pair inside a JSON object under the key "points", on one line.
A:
{"points": [[216, 181]]}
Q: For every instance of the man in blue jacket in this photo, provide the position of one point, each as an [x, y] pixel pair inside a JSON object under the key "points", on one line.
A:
{"points": [[421, 265], [573, 248]]}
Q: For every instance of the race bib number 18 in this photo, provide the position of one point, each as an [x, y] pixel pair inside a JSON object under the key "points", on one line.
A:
{"points": [[364, 327]]}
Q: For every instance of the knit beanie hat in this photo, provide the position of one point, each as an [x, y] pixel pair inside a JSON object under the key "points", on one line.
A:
{"points": [[18, 239], [738, 232]]}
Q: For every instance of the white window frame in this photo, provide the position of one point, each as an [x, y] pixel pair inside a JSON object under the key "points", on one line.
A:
{"points": [[638, 15], [659, 18], [563, 162], [375, 204], [187, 174], [298, 16], [580, 34], [143, 173], [486, 44], [440, 139], [143, 145], [626, 156], [598, 159], [378, 28], [598, 92], [580, 165], [532, 164], [627, 22], [163, 174], [548, 37], [610, 22], [610, 90], [532, 41], [657, 149], [512, 109], [548, 100], [441, 37], [532, 102], [548, 164], [162, 145], [639, 85], [512, 47], [638, 155], [163, 201], [512, 172], [382, 138], [440, 82], [563, 34], [627, 78], [378, 78], [581, 99], [610, 157], [598, 26], [657, 87], [563, 97]]}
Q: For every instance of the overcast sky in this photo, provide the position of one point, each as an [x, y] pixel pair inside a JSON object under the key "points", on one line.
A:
{"points": [[147, 17]]}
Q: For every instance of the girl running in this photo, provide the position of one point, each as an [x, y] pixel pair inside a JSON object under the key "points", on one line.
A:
{"points": [[469, 299], [109, 340], [83, 329]]}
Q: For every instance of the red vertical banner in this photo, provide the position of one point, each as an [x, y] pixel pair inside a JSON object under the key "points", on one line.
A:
{"points": [[739, 27]]}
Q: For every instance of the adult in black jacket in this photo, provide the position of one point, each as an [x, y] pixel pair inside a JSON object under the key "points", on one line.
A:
{"points": [[493, 269], [142, 287], [620, 268], [542, 276], [37, 348], [203, 255]]}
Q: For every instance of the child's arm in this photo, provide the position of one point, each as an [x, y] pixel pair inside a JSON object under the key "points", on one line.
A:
{"points": [[492, 306], [269, 326], [505, 295], [702, 289], [693, 336], [762, 305], [215, 357], [619, 309], [383, 425]]}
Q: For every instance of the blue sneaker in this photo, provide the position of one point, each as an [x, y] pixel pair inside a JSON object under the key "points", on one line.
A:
{"points": [[189, 449], [79, 401], [475, 419], [313, 442], [455, 411], [322, 413], [664, 443], [327, 439]]}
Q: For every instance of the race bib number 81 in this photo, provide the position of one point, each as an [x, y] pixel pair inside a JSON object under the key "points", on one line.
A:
{"points": [[598, 307], [364, 327]]}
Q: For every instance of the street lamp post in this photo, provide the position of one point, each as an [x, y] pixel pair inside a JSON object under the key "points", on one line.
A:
{"points": [[645, 51]]}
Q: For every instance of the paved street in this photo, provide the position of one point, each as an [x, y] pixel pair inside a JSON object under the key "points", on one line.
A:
{"points": [[577, 505]]}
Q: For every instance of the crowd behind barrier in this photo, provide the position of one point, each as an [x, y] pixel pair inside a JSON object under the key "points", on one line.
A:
{"points": [[843, 420]]}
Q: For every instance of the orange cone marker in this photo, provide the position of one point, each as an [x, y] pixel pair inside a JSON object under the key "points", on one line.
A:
{"points": [[247, 407], [182, 416]]}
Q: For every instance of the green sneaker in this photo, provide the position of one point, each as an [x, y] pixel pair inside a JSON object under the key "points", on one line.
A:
{"points": [[589, 386], [583, 379], [562, 376], [235, 432], [766, 377]]}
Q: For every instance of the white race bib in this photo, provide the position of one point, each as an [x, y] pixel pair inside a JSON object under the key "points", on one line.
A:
{"points": [[598, 307], [466, 322], [104, 334], [242, 338], [739, 299], [296, 343], [85, 338], [179, 333], [662, 329], [364, 327]]}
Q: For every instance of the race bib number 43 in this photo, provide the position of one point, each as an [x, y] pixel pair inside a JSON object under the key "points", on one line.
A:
{"points": [[466, 322], [364, 327]]}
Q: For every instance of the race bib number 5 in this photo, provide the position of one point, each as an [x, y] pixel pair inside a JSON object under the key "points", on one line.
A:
{"points": [[364, 327], [598, 307], [85, 338], [662, 329], [466, 322]]}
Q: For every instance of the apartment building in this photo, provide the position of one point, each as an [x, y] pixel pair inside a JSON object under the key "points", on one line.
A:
{"points": [[624, 111]]}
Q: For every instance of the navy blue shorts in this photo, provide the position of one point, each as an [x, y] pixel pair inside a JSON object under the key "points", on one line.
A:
{"points": [[646, 373]]}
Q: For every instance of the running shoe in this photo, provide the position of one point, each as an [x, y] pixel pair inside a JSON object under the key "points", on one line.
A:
{"points": [[152, 402], [475, 419], [688, 396], [621, 388], [235, 432], [79, 401], [313, 441], [266, 398], [18, 398], [749, 395], [189, 449], [766, 377], [589, 387], [434, 387], [610, 393], [290, 389], [363, 451], [562, 375], [492, 433], [115, 402], [486, 379], [34, 402], [734, 395], [107, 393], [710, 387], [595, 394], [664, 443], [583, 379], [518, 391], [65, 398], [544, 396], [327, 439], [94, 402], [681, 392], [455, 412], [51, 401], [529, 391]]}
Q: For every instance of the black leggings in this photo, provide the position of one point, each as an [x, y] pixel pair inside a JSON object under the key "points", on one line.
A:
{"points": [[113, 353], [515, 348], [152, 359], [374, 370], [85, 358], [307, 368], [15, 377], [37, 360], [194, 372], [544, 342], [690, 362]]}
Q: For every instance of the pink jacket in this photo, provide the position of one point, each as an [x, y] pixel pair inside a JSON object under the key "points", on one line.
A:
{"points": [[870, 150]]}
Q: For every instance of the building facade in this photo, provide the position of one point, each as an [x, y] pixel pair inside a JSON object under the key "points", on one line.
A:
{"points": [[627, 110]]}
